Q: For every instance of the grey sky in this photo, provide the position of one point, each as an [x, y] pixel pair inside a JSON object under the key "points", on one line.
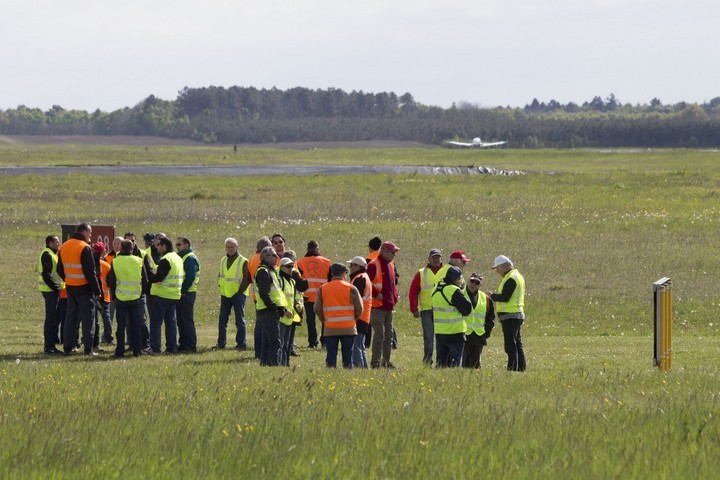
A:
{"points": [[108, 55]]}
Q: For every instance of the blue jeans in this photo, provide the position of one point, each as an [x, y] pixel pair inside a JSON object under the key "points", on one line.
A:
{"points": [[359, 358], [270, 321], [129, 313], [331, 344], [186, 322], [163, 311], [236, 302], [450, 349], [103, 310], [51, 318], [428, 327], [285, 344]]}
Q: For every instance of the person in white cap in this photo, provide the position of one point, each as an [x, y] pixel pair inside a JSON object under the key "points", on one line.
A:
{"points": [[420, 297], [509, 304]]}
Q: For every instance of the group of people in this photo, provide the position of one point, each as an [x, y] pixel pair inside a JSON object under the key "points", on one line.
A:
{"points": [[147, 288]]}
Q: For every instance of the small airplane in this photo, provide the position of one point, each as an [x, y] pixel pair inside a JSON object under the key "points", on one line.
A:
{"points": [[476, 143]]}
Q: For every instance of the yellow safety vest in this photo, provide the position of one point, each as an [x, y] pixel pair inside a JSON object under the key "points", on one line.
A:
{"points": [[517, 301], [171, 286], [291, 297], [476, 320], [42, 286], [276, 292], [229, 280], [428, 282], [128, 277], [446, 318]]}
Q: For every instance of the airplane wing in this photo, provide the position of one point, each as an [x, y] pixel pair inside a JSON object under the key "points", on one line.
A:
{"points": [[492, 144], [458, 144]]}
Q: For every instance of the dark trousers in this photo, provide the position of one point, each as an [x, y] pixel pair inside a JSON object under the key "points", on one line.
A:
{"points": [[61, 315], [285, 345], [51, 320], [472, 355], [513, 344], [449, 350], [79, 312], [270, 321], [185, 310], [237, 303], [331, 344], [129, 313], [144, 330], [312, 328], [163, 311]]}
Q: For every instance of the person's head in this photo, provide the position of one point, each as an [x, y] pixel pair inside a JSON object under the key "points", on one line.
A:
{"points": [[458, 259], [435, 258], [262, 243], [130, 236], [117, 244], [85, 230], [268, 256], [338, 270], [287, 265], [182, 244], [126, 247], [159, 236], [149, 239], [231, 246], [474, 282], [278, 242], [374, 244], [164, 245], [502, 265], [99, 248], [290, 254], [357, 264], [454, 276], [313, 246], [388, 250], [52, 242]]}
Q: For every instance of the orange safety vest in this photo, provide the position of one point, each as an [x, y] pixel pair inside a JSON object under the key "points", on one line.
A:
{"points": [[366, 296], [315, 270], [70, 253], [338, 309], [104, 270], [372, 255], [377, 282]]}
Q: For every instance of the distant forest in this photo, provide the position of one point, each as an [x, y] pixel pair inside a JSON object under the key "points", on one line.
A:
{"points": [[238, 115]]}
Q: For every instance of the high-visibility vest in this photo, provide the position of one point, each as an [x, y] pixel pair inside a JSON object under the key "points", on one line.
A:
{"points": [[372, 255], [148, 252], [315, 270], [366, 296], [476, 320], [104, 270], [128, 277], [288, 287], [517, 301], [377, 281], [276, 292], [229, 280], [193, 287], [446, 318], [338, 309], [428, 282], [253, 265], [70, 252], [170, 287], [42, 286]]}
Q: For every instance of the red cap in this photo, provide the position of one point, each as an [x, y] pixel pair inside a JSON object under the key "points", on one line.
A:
{"points": [[389, 247], [459, 254], [99, 247]]}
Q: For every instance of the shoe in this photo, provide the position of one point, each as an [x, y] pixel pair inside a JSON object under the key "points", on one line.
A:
{"points": [[97, 349], [168, 352], [294, 354], [76, 349], [92, 354], [388, 365], [151, 352], [108, 343], [52, 351], [218, 347], [241, 348], [146, 351], [374, 366], [313, 347], [118, 355]]}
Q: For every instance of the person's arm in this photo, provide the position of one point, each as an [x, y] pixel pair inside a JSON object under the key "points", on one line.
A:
{"points": [[245, 282], [149, 268], [357, 301], [88, 267], [507, 291], [162, 271], [144, 279], [300, 283], [263, 283], [191, 268], [461, 302], [318, 307], [111, 281], [413, 295], [372, 271], [489, 316]]}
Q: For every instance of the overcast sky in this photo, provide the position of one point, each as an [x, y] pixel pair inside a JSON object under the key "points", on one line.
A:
{"points": [[83, 54]]}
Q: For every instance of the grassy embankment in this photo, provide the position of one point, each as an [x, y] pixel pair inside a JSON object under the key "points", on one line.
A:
{"points": [[589, 239]]}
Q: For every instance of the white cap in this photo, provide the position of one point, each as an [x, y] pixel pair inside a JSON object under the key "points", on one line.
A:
{"points": [[358, 261], [500, 260], [286, 261]]}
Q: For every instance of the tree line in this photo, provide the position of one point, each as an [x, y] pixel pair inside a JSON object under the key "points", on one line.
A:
{"points": [[237, 115]]}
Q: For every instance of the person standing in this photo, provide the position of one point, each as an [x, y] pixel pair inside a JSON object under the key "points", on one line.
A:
{"points": [[338, 306], [316, 270], [300, 286], [293, 299], [420, 296], [450, 305], [165, 292], [381, 272], [373, 252], [102, 308], [186, 305], [128, 280], [360, 280], [271, 305], [233, 286], [50, 284], [510, 307], [76, 266], [253, 265], [480, 322]]}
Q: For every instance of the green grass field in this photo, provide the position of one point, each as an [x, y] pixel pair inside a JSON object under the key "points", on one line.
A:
{"points": [[589, 230]]}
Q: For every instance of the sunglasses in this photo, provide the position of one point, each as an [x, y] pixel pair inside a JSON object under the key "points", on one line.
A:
{"points": [[476, 282]]}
